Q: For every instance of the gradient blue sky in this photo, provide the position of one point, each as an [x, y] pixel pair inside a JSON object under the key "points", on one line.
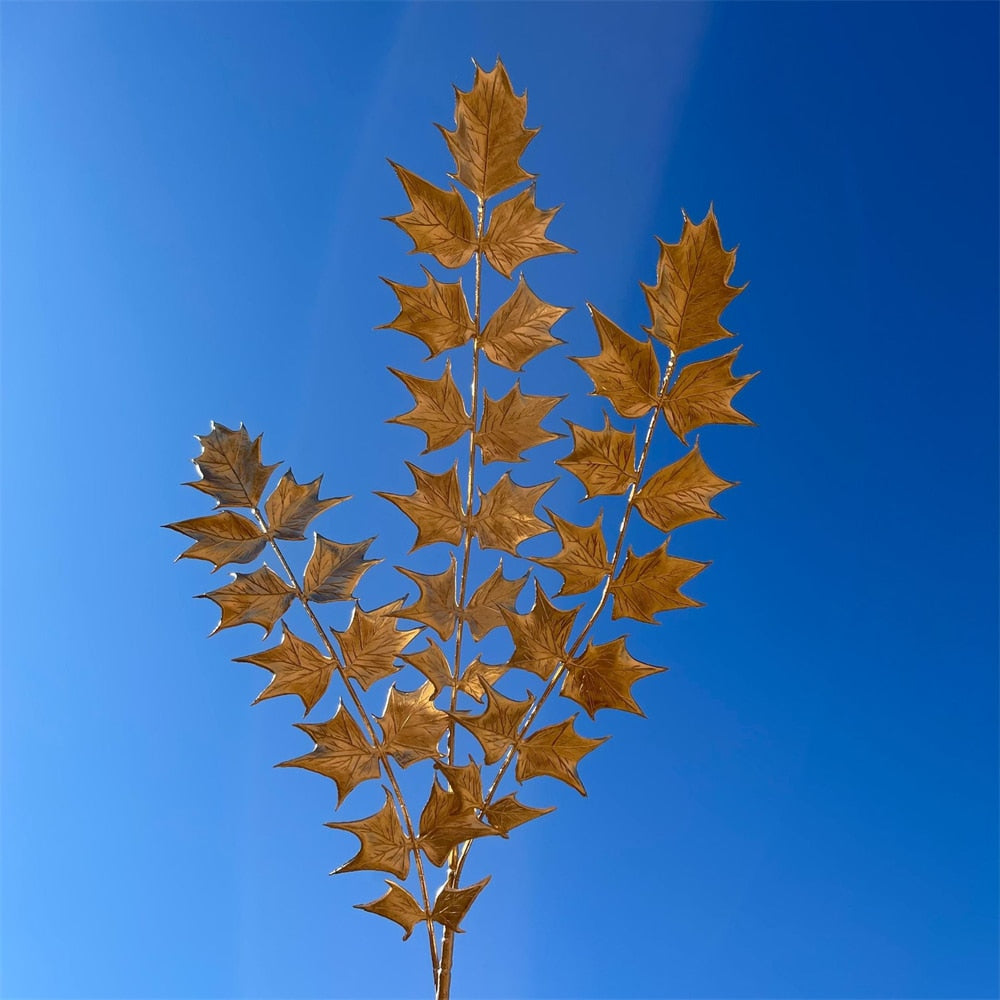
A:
{"points": [[191, 231]]}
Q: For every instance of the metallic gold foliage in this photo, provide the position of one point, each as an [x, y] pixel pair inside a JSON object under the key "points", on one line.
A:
{"points": [[411, 726], [334, 569], [438, 410], [604, 460], [384, 846], [513, 424], [260, 597], [507, 813], [540, 636], [516, 233], [436, 605], [371, 643], [506, 515], [485, 608], [555, 751], [477, 675], [603, 675], [436, 313], [226, 537], [649, 584], [496, 727], [292, 506], [465, 781], [583, 559], [703, 394], [451, 905], [520, 329], [435, 507], [447, 821], [230, 467], [433, 664], [398, 905]]}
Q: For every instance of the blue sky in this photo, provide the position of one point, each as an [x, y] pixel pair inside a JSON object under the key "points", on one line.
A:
{"points": [[192, 196]]}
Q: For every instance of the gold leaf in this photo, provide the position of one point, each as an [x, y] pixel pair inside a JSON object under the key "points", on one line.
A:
{"points": [[489, 135], [540, 636], [691, 287], [478, 674], [372, 641], [341, 753], [512, 425], [411, 726], [483, 612], [436, 313], [439, 222], [507, 813], [680, 493], [221, 538], [451, 905], [439, 410], [703, 394], [230, 467], [602, 677], [583, 559], [384, 846], [555, 751], [516, 232], [298, 667], [496, 727], [436, 605], [433, 664], [260, 597], [604, 460], [506, 515], [397, 905], [520, 329], [435, 506], [625, 371], [465, 781], [291, 507], [647, 585], [447, 822], [334, 569]]}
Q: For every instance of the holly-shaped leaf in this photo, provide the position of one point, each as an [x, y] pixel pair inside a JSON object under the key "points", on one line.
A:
{"points": [[342, 753], [436, 313], [436, 604], [260, 597], [439, 222], [691, 287], [516, 233], [397, 905], [540, 636], [507, 813], [451, 905], [583, 559], [292, 506], [513, 424], [520, 329], [435, 506], [625, 371], [647, 585], [334, 569], [226, 537], [483, 612], [465, 781], [230, 467], [496, 727], [433, 664], [411, 726], [489, 135], [602, 677], [384, 846], [703, 394], [506, 515], [372, 641], [555, 751], [446, 822], [439, 410], [604, 460], [298, 667], [477, 675]]}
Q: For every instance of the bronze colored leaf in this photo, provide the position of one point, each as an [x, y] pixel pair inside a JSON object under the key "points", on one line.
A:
{"points": [[439, 410], [602, 677], [384, 846], [465, 781], [372, 641], [411, 726], [647, 585], [625, 371], [334, 569], [555, 751], [342, 753], [397, 905], [439, 222], [260, 597], [230, 467], [680, 493], [489, 135], [516, 232], [447, 822], [291, 507], [435, 507], [436, 313], [507, 813], [583, 559], [520, 329], [298, 668], [512, 425], [703, 394], [496, 727], [451, 905], [691, 287], [436, 605], [478, 674], [604, 460], [540, 636], [221, 538], [483, 612], [433, 664], [506, 515]]}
